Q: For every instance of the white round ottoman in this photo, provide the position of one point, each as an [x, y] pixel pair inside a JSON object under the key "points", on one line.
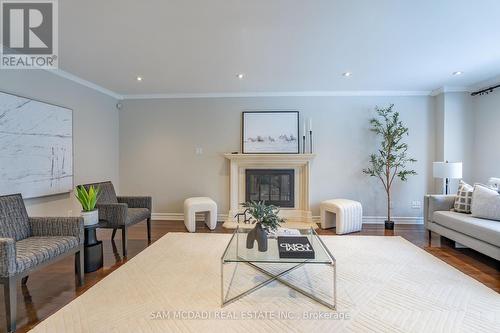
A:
{"points": [[346, 215], [200, 205]]}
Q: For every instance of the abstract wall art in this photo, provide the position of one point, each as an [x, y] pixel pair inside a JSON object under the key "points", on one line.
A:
{"points": [[36, 147], [270, 132]]}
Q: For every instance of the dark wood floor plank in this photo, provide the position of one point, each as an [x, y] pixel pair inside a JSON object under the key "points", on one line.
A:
{"points": [[52, 288]]}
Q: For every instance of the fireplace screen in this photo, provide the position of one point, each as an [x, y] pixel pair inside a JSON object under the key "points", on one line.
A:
{"points": [[274, 186]]}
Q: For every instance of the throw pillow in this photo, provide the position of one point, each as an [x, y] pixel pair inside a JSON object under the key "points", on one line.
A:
{"points": [[485, 203], [463, 198]]}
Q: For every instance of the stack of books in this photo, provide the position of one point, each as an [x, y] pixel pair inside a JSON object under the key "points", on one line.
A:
{"points": [[292, 245]]}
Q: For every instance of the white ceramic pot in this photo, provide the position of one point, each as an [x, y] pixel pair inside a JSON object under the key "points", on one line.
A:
{"points": [[90, 218]]}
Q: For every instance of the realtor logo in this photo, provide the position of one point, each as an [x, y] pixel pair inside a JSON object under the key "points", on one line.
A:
{"points": [[29, 34]]}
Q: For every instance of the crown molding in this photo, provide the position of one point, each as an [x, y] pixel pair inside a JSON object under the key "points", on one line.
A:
{"points": [[332, 93], [326, 93], [446, 89], [88, 84]]}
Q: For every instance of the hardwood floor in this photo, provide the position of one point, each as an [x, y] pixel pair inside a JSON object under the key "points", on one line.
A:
{"points": [[52, 288]]}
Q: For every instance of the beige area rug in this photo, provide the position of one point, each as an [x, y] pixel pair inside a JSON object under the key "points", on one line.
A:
{"points": [[385, 284]]}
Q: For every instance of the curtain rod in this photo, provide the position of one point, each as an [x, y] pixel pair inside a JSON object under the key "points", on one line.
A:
{"points": [[485, 91]]}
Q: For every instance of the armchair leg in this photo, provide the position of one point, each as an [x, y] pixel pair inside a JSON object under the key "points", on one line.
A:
{"points": [[113, 234], [24, 280], [124, 241], [79, 268], [10, 296], [148, 222]]}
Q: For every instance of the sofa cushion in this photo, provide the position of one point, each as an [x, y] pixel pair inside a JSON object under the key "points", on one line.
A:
{"points": [[482, 229], [34, 251], [464, 198], [485, 202]]}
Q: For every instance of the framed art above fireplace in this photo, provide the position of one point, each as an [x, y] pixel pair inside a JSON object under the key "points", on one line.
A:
{"points": [[270, 132]]}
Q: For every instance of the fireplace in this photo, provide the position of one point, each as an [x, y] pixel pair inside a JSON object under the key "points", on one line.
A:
{"points": [[274, 186], [296, 209]]}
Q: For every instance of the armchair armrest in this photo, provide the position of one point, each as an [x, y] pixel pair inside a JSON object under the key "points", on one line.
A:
{"points": [[57, 226], [113, 213], [136, 201], [437, 202], [7, 257]]}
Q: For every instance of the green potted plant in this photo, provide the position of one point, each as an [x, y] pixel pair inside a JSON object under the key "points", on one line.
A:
{"points": [[88, 200], [265, 218], [391, 160]]}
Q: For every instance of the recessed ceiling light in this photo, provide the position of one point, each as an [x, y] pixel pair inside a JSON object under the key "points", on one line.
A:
{"points": [[240, 76], [347, 74], [457, 73], [139, 78]]}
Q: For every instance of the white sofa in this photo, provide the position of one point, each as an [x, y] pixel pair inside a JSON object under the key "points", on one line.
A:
{"points": [[479, 234]]}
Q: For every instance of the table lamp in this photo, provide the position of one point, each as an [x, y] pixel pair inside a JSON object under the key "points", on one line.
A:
{"points": [[447, 170]]}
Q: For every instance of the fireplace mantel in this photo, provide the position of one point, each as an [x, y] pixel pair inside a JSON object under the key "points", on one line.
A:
{"points": [[299, 162], [293, 158]]}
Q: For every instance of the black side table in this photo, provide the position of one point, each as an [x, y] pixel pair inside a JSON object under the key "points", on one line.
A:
{"points": [[92, 248]]}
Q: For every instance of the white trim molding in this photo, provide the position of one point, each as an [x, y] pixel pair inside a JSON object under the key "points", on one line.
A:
{"points": [[180, 217], [332, 93], [312, 93], [316, 219], [88, 84], [396, 219], [445, 89]]}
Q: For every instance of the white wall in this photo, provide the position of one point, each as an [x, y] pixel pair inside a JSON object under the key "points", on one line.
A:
{"points": [[158, 140], [454, 134], [487, 136], [95, 131]]}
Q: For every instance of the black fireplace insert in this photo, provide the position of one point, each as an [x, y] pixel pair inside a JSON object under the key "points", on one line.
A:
{"points": [[274, 186]]}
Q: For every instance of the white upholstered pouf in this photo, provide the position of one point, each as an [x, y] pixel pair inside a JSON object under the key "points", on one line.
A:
{"points": [[200, 205], [347, 215]]}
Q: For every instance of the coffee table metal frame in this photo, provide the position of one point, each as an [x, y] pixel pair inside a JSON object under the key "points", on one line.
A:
{"points": [[328, 260]]}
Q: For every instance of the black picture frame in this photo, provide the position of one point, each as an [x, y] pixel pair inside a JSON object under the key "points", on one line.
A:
{"points": [[245, 146]]}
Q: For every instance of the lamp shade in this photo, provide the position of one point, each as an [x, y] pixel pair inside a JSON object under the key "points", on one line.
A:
{"points": [[447, 170]]}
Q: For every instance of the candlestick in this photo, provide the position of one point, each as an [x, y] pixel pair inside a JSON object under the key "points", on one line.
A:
{"points": [[304, 143], [311, 141]]}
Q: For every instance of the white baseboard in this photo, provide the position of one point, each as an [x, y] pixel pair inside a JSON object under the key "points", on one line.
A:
{"points": [[223, 217], [180, 217], [396, 219]]}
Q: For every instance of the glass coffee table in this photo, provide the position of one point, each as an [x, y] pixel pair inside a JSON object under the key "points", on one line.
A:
{"points": [[310, 277]]}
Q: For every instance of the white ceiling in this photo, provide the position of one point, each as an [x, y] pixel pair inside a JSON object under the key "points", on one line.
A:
{"points": [[189, 46]]}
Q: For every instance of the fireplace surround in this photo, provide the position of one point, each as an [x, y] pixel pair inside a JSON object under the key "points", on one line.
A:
{"points": [[299, 163]]}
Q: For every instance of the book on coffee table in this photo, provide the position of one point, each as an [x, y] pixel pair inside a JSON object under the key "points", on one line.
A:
{"points": [[295, 247]]}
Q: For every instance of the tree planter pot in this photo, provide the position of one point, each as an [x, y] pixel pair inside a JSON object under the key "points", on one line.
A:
{"points": [[90, 218], [389, 225], [258, 234]]}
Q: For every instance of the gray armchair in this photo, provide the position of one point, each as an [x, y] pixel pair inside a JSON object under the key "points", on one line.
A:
{"points": [[121, 212], [29, 243]]}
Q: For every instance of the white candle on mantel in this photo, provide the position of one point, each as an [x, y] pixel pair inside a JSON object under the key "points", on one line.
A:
{"points": [[310, 124], [304, 132]]}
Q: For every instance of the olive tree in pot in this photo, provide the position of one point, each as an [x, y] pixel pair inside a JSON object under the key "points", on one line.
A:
{"points": [[88, 200], [265, 218], [391, 160]]}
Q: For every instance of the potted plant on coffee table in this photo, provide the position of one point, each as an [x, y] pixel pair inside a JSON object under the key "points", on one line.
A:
{"points": [[391, 160], [265, 218], [88, 200]]}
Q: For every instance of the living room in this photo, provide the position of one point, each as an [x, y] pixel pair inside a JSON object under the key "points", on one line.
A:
{"points": [[156, 184]]}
